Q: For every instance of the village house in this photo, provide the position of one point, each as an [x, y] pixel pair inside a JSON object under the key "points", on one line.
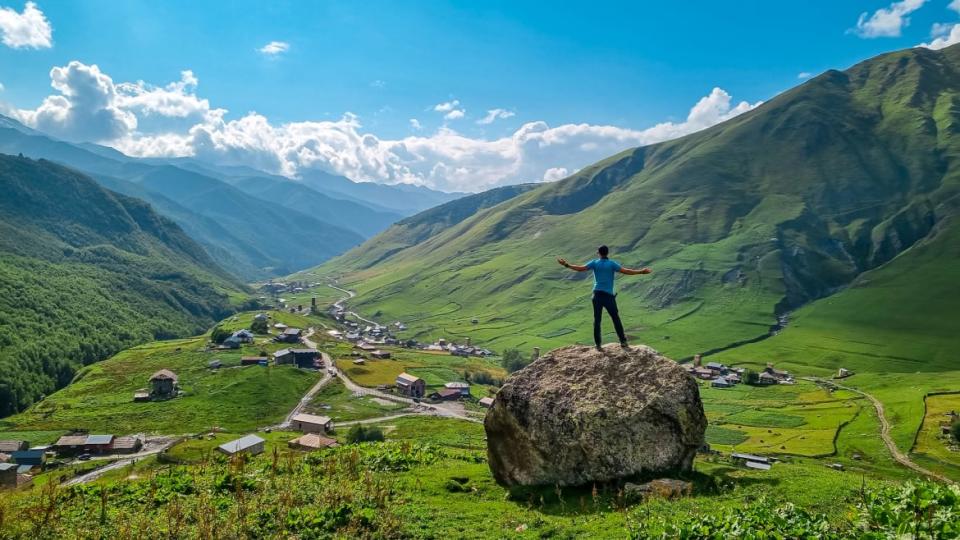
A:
{"points": [[8, 475], [250, 444], [231, 343], [261, 317], [290, 335], [366, 347], [98, 444], [244, 336], [377, 353], [306, 358], [410, 385], [70, 444], [486, 402], [721, 382], [252, 360], [752, 461], [312, 441], [213, 364], [8, 446], [717, 368], [280, 326], [461, 387], [765, 379], [446, 394], [164, 384], [126, 445], [309, 423], [359, 362], [26, 459], [283, 356], [780, 376]]}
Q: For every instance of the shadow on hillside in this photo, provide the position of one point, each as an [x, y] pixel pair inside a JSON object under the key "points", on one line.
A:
{"points": [[601, 498]]}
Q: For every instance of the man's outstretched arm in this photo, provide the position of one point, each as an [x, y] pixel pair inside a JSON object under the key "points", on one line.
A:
{"points": [[634, 271], [575, 267]]}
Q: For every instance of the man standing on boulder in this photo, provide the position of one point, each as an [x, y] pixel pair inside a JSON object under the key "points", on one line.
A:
{"points": [[603, 296]]}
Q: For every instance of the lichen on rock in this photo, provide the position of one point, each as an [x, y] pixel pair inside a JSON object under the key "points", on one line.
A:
{"points": [[578, 415]]}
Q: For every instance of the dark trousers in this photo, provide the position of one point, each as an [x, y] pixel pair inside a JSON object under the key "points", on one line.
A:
{"points": [[601, 301]]}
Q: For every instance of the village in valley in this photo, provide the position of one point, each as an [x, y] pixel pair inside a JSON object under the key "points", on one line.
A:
{"points": [[363, 377]]}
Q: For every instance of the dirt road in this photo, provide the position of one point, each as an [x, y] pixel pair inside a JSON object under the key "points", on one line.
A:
{"points": [[899, 456]]}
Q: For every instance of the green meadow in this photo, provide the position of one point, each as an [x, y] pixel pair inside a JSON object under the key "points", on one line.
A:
{"points": [[233, 397]]}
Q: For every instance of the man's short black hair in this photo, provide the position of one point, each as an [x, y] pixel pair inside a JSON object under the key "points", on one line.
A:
{"points": [[603, 250]]}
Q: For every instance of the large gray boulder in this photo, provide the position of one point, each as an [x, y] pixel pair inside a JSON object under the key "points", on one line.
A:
{"points": [[578, 415]]}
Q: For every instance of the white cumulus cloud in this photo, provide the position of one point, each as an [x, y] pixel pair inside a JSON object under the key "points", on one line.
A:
{"points": [[29, 29], [142, 119], [451, 109], [944, 34], [497, 114], [804, 75], [888, 21], [415, 124], [275, 48]]}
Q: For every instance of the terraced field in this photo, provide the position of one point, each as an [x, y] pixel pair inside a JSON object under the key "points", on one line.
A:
{"points": [[801, 419]]}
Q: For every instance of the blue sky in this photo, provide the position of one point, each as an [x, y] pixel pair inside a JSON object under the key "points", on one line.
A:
{"points": [[629, 65]]}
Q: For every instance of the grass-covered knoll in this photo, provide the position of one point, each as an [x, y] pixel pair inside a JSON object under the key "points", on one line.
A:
{"points": [[436, 369], [341, 405], [801, 419], [939, 451], [85, 273], [232, 397], [434, 488]]}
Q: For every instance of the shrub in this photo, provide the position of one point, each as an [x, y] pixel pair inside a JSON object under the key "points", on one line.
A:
{"points": [[360, 433], [513, 360], [259, 326], [955, 430]]}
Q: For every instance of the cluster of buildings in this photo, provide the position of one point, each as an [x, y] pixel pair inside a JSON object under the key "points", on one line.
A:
{"points": [[415, 387], [314, 428], [723, 376], [719, 375], [18, 460], [466, 349]]}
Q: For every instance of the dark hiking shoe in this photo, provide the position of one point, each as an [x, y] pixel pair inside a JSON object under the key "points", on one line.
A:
{"points": [[624, 345], [599, 348]]}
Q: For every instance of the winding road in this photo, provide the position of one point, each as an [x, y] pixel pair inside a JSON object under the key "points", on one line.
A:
{"points": [[444, 409], [898, 456]]}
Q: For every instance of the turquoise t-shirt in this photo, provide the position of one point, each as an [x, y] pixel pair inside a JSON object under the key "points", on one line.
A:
{"points": [[603, 271]]}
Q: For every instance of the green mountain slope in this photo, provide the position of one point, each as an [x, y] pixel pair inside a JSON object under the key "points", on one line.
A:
{"points": [[254, 237], [344, 214], [400, 198], [742, 222], [418, 228], [86, 272]]}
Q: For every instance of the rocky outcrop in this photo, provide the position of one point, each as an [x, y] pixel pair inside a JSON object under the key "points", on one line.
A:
{"points": [[578, 415]]}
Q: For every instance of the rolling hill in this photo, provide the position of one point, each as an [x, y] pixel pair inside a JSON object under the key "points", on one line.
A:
{"points": [[742, 223], [86, 272]]}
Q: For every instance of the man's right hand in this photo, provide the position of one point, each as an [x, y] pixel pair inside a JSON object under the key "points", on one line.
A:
{"points": [[562, 261]]}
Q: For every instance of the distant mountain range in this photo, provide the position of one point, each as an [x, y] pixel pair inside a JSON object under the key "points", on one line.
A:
{"points": [[255, 224], [86, 272], [742, 222]]}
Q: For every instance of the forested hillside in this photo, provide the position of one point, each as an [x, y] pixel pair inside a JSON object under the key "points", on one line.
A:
{"points": [[86, 272]]}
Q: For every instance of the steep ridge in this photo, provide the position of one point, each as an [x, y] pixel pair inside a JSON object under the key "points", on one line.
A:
{"points": [[86, 272], [742, 222], [265, 238]]}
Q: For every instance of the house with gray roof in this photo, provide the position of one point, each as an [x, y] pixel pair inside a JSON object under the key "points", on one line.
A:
{"points": [[250, 444]]}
